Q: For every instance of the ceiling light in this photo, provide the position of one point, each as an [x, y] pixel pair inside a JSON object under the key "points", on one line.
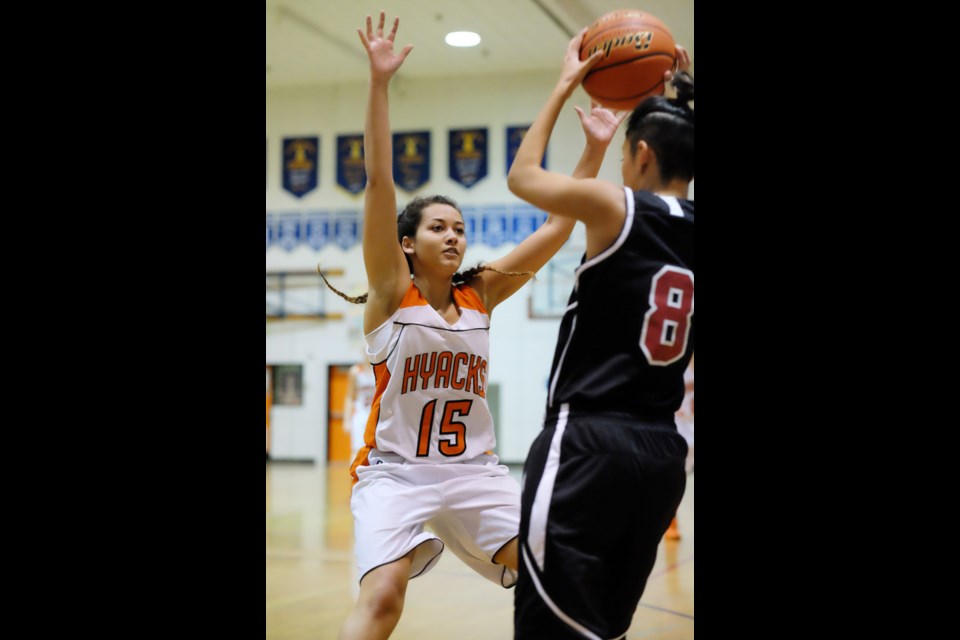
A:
{"points": [[462, 39]]}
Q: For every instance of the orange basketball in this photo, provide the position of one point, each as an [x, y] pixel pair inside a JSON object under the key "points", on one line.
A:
{"points": [[639, 48]]}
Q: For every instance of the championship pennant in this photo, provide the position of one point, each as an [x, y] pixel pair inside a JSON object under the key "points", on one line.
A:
{"points": [[514, 138], [288, 231], [411, 159], [526, 220], [317, 229], [300, 165], [351, 173], [468, 156], [495, 229], [471, 217], [346, 228]]}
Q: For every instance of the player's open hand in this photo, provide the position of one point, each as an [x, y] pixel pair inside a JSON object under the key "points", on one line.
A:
{"points": [[600, 125], [383, 61]]}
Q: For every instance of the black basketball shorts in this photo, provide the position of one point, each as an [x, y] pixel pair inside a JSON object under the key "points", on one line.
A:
{"points": [[599, 491]]}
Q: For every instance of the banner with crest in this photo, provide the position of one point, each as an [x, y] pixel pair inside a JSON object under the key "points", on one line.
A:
{"points": [[468, 156], [411, 159], [351, 173], [514, 138], [301, 165]]}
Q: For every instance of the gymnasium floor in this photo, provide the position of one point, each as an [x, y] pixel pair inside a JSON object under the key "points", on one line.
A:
{"points": [[311, 581]]}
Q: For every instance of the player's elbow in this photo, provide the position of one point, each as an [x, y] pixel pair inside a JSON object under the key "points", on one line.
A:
{"points": [[518, 181], [512, 179], [527, 184]]}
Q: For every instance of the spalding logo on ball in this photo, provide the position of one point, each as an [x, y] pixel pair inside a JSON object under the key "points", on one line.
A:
{"points": [[638, 49]]}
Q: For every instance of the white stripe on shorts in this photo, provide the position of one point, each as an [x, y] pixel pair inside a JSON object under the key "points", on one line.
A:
{"points": [[556, 610], [537, 532]]}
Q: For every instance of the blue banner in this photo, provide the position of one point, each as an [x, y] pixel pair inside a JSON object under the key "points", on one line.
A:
{"points": [[317, 229], [346, 228], [491, 225], [471, 217], [351, 173], [288, 231], [411, 159], [468, 156], [526, 220], [514, 138], [495, 230], [300, 165]]}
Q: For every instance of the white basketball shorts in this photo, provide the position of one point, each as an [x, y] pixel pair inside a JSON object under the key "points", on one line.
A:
{"points": [[472, 508]]}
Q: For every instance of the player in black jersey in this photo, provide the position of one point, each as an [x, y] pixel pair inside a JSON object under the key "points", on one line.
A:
{"points": [[605, 475]]}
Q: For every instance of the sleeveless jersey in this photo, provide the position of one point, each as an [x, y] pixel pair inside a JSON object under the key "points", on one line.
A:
{"points": [[430, 403], [627, 333]]}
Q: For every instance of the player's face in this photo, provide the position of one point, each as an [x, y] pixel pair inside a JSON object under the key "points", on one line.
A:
{"points": [[441, 237]]}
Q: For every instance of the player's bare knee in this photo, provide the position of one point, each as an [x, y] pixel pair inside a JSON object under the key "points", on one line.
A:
{"points": [[383, 598]]}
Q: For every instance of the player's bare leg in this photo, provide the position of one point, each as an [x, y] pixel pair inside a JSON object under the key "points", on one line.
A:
{"points": [[673, 531], [380, 603]]}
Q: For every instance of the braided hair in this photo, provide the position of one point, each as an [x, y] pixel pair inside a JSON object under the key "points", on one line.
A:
{"points": [[407, 223], [666, 124]]}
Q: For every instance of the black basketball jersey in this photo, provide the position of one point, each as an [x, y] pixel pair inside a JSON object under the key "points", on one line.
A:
{"points": [[627, 334]]}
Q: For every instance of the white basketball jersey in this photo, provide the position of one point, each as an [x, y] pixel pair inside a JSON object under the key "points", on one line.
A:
{"points": [[430, 404]]}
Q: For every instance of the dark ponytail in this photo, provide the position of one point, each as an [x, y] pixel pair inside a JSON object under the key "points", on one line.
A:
{"points": [[666, 124]]}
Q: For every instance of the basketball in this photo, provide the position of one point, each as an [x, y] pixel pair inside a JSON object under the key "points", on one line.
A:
{"points": [[638, 49]]}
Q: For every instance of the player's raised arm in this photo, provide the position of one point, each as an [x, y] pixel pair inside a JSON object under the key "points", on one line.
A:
{"points": [[599, 127], [386, 267]]}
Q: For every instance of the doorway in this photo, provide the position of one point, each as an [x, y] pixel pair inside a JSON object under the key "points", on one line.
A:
{"points": [[269, 404], [338, 435]]}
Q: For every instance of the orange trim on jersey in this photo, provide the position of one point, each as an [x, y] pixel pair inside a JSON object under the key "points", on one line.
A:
{"points": [[467, 298], [464, 296], [413, 297], [382, 376]]}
